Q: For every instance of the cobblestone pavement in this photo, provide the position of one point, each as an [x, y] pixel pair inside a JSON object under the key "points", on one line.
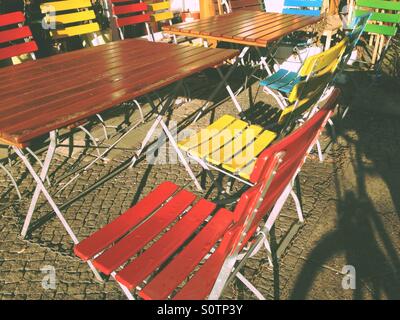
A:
{"points": [[351, 204]]}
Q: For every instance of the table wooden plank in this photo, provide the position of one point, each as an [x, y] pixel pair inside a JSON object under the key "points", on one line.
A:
{"points": [[241, 31], [250, 28], [263, 31], [224, 29], [249, 24], [51, 93]]}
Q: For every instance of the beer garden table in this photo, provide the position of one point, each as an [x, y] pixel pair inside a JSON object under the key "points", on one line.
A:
{"points": [[40, 97], [251, 29]]}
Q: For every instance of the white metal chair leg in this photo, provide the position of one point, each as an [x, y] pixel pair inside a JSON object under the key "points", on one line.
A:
{"points": [[146, 140], [278, 98], [298, 205], [320, 155], [95, 272], [140, 109], [150, 34], [345, 112], [12, 180], [92, 138], [267, 247], [103, 124], [249, 285], [180, 155], [228, 88], [125, 290], [332, 127]]}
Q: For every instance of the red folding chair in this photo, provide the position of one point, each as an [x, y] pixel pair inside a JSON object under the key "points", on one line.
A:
{"points": [[170, 245], [131, 12], [15, 38]]}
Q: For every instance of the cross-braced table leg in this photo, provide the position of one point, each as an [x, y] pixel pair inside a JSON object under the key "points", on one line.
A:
{"points": [[224, 81], [41, 188], [43, 175], [159, 122]]}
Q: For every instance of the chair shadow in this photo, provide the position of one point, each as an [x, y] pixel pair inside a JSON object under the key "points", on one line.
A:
{"points": [[360, 232]]}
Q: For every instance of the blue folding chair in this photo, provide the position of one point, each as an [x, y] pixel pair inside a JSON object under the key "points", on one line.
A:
{"points": [[303, 7], [283, 81]]}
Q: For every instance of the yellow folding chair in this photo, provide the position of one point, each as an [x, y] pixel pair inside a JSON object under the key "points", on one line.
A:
{"points": [[160, 12], [69, 18], [231, 145]]}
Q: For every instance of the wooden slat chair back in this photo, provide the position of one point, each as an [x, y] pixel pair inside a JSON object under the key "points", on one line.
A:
{"points": [[160, 11], [15, 38], [170, 245], [232, 145], [70, 18], [273, 173], [292, 150], [385, 15], [382, 26], [303, 7], [314, 77], [130, 13], [226, 6]]}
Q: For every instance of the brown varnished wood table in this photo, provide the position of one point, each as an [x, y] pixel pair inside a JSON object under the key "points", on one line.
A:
{"points": [[245, 27], [39, 97], [48, 94]]}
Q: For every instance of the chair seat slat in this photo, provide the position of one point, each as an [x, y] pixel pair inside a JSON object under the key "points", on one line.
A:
{"points": [[130, 244], [158, 253], [184, 263], [98, 241]]}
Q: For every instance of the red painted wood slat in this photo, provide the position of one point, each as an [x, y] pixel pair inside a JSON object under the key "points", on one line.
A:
{"points": [[11, 18], [201, 284], [14, 34], [101, 239], [130, 8], [18, 49], [183, 264], [146, 263], [127, 247], [121, 22]]}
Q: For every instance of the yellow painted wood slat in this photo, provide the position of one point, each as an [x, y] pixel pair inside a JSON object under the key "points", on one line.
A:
{"points": [[162, 16], [72, 17], [229, 150], [206, 134], [75, 30], [324, 59], [244, 158], [65, 5], [224, 136], [164, 5]]}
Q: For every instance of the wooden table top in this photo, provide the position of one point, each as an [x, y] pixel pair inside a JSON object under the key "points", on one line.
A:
{"points": [[40, 96], [250, 28]]}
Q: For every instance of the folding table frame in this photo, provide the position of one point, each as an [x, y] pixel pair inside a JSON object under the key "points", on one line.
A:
{"points": [[43, 174], [159, 121]]}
